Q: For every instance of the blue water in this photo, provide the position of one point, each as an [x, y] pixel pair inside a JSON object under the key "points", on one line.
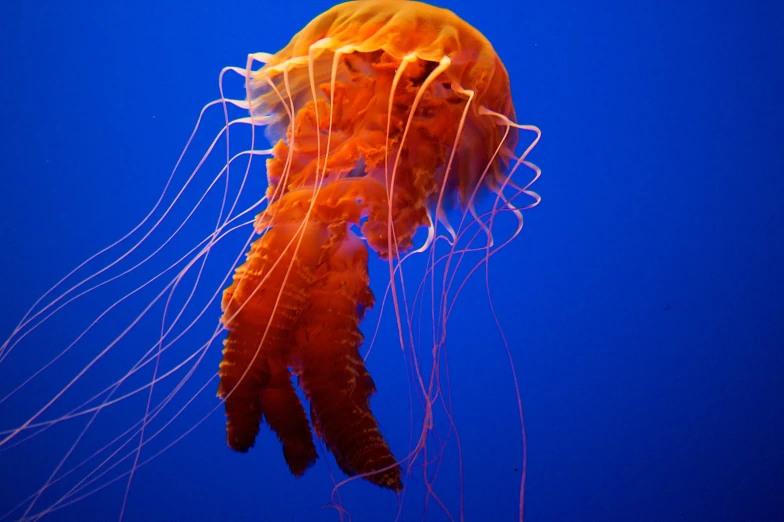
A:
{"points": [[643, 302]]}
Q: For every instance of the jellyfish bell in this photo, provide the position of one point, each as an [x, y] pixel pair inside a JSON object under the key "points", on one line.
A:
{"points": [[386, 122]]}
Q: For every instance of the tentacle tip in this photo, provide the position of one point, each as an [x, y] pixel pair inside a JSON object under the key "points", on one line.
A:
{"points": [[239, 447], [301, 459], [387, 479], [392, 481], [239, 442], [300, 469]]}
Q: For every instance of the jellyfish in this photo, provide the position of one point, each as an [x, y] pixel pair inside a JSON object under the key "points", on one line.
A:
{"points": [[392, 135], [382, 111]]}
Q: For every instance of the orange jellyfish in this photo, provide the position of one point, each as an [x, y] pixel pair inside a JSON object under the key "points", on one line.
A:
{"points": [[394, 144], [382, 114]]}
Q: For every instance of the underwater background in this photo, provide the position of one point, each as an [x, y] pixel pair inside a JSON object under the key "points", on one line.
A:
{"points": [[643, 302]]}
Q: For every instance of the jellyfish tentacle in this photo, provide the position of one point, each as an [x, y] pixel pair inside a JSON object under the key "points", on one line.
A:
{"points": [[330, 369], [260, 310], [285, 415]]}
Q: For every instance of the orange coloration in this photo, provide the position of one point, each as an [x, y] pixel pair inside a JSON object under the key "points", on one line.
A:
{"points": [[382, 112]]}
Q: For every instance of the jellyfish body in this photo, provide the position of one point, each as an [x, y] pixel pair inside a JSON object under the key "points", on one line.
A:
{"points": [[382, 113]]}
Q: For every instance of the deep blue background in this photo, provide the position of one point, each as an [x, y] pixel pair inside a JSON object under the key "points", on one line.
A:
{"points": [[643, 302]]}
